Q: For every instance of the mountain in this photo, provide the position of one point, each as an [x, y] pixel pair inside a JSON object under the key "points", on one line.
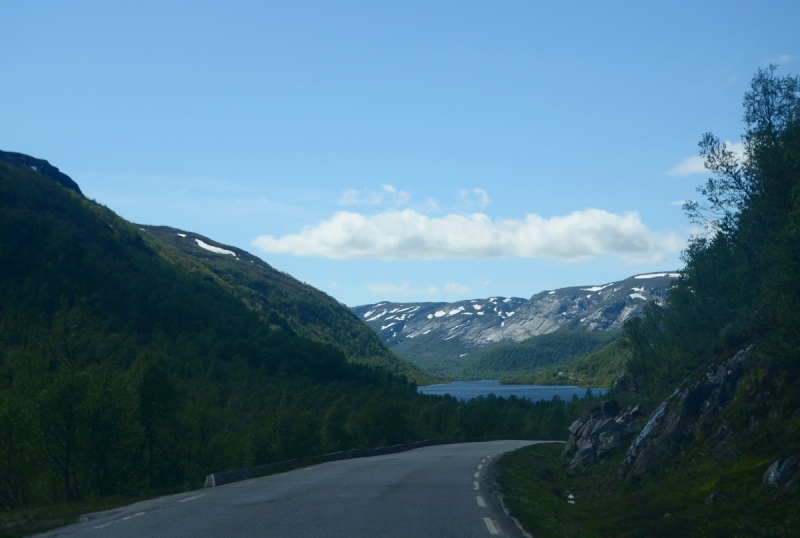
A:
{"points": [[444, 337], [280, 299], [41, 166]]}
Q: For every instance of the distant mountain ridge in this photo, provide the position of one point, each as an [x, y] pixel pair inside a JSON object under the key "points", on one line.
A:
{"points": [[453, 332]]}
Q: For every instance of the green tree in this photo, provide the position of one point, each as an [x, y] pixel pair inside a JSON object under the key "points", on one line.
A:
{"points": [[157, 401]]}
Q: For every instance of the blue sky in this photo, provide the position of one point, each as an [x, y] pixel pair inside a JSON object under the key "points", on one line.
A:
{"points": [[395, 150]]}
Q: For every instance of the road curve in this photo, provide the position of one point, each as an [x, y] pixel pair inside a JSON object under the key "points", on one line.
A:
{"points": [[436, 491]]}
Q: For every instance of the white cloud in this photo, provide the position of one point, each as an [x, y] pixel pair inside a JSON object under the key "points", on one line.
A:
{"points": [[409, 235], [456, 289], [678, 202], [430, 205], [403, 289], [696, 164], [387, 194], [473, 197], [688, 166], [483, 284]]}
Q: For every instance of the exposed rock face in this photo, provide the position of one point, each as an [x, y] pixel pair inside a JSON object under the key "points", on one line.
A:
{"points": [[627, 384], [601, 434], [784, 472], [681, 416], [41, 166], [477, 323]]}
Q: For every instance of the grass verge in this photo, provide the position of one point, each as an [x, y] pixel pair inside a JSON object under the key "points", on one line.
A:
{"points": [[694, 495]]}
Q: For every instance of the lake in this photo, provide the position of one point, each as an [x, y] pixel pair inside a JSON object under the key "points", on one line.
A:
{"points": [[467, 390]]}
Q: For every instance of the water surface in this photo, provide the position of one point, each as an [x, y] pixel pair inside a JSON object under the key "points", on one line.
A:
{"points": [[467, 390]]}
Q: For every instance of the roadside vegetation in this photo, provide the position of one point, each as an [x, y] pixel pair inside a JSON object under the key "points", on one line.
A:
{"points": [[706, 467]]}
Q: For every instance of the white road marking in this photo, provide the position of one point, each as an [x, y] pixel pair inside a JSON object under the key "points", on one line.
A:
{"points": [[481, 502], [480, 466], [492, 525], [477, 475], [476, 485], [126, 518], [192, 498], [484, 460]]}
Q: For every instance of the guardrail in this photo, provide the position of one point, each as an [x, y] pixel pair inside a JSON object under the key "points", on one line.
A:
{"points": [[219, 479]]}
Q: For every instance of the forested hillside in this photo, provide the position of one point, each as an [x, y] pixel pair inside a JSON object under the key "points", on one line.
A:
{"points": [[537, 354], [601, 368], [717, 365], [128, 366], [281, 300]]}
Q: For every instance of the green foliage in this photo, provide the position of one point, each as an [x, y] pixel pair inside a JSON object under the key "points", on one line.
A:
{"points": [[436, 355], [698, 495], [741, 282], [559, 348], [282, 301], [740, 286], [599, 369]]}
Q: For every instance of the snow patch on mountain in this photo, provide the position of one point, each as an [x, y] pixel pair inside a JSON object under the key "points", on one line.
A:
{"points": [[513, 319], [658, 275], [378, 316], [214, 249]]}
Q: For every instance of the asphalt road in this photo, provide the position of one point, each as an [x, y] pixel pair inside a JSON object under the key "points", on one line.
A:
{"points": [[436, 491]]}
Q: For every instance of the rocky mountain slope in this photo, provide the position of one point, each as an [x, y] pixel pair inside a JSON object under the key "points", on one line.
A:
{"points": [[453, 331]]}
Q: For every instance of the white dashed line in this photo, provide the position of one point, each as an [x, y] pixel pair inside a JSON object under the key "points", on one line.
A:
{"points": [[492, 525], [480, 466], [192, 498], [476, 485], [126, 518], [481, 502], [477, 475]]}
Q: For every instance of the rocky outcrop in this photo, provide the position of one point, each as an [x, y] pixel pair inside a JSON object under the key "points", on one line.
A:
{"points": [[680, 417], [595, 437], [784, 472]]}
